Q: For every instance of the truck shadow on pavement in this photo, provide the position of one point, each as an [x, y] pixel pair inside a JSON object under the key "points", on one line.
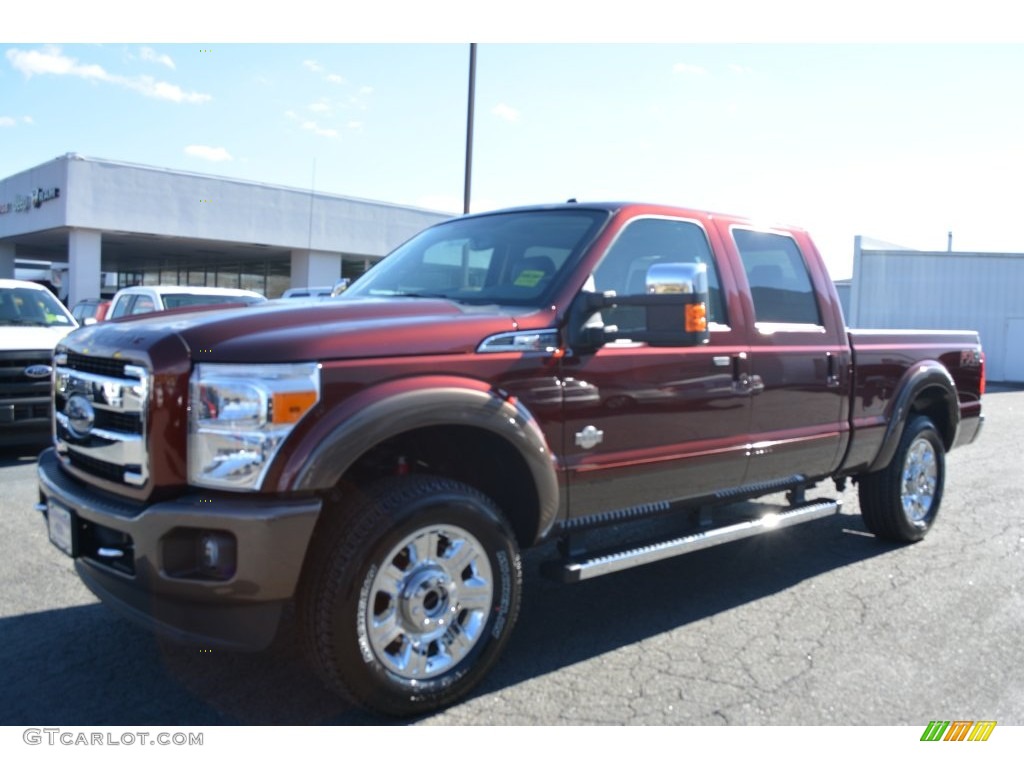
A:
{"points": [[86, 666]]}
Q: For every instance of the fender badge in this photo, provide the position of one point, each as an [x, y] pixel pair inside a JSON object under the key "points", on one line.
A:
{"points": [[589, 437]]}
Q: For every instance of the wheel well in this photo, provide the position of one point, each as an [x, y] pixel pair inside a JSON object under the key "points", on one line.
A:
{"points": [[470, 455], [933, 402]]}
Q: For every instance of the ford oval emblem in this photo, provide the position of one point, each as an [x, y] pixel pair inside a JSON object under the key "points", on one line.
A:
{"points": [[38, 371], [81, 415]]}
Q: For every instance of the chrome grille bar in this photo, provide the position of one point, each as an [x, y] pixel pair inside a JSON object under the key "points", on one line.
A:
{"points": [[79, 396]]}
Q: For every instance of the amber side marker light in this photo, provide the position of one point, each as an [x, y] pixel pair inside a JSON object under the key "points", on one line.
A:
{"points": [[696, 318], [289, 407]]}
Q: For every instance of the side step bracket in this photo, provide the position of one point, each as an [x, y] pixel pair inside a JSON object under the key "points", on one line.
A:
{"points": [[588, 567]]}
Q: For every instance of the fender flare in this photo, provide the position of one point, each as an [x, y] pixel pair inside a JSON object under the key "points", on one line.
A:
{"points": [[917, 379], [390, 409]]}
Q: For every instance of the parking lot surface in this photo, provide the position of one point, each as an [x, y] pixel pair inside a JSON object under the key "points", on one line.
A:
{"points": [[820, 624]]}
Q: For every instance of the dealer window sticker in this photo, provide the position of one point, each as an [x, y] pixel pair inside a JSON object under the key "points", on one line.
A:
{"points": [[529, 278]]}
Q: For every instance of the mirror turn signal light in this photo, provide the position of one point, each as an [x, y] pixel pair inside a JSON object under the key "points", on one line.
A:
{"points": [[696, 317]]}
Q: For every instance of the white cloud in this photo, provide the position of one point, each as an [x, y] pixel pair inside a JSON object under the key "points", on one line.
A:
{"points": [[7, 122], [739, 69], [213, 154], [319, 130], [366, 90], [320, 106], [505, 112], [689, 69], [331, 77], [148, 54], [354, 125], [28, 119], [50, 61], [167, 91]]}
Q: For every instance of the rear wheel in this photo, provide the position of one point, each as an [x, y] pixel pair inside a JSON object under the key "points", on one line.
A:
{"points": [[901, 501], [412, 596]]}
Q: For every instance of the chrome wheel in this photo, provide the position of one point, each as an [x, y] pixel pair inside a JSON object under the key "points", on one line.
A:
{"points": [[410, 593], [919, 480], [425, 608]]}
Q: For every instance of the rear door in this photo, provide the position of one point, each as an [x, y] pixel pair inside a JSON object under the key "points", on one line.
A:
{"points": [[798, 359]]}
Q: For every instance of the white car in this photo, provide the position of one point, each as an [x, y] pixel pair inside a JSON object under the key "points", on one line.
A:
{"points": [[32, 321], [318, 292], [144, 299]]}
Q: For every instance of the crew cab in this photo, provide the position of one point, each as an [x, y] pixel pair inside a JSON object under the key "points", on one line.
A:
{"points": [[500, 380]]}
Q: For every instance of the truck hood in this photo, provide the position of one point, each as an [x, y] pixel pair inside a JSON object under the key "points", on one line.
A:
{"points": [[22, 338], [288, 331]]}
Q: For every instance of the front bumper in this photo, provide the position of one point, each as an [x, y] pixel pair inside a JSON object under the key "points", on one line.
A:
{"points": [[125, 553]]}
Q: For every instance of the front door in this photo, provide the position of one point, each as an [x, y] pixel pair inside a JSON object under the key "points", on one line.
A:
{"points": [[646, 425]]}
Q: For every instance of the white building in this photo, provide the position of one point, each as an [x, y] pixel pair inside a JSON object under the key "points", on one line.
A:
{"points": [[136, 224], [981, 292]]}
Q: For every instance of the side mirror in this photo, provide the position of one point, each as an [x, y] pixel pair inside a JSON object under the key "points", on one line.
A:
{"points": [[675, 310]]}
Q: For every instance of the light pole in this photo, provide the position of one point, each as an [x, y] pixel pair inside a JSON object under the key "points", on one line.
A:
{"points": [[469, 127]]}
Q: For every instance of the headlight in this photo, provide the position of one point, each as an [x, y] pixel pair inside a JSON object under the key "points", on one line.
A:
{"points": [[238, 417]]}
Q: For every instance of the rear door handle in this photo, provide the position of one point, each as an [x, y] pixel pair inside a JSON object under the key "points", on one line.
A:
{"points": [[832, 377], [743, 382]]}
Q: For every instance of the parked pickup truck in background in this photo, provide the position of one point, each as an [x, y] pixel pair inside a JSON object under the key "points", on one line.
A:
{"points": [[499, 381], [32, 321]]}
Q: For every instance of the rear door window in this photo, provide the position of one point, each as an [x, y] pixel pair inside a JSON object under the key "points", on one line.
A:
{"points": [[780, 284]]}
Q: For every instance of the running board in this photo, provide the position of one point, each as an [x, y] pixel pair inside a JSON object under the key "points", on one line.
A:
{"points": [[599, 565]]}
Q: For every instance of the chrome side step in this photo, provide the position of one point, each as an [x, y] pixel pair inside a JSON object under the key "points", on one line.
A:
{"points": [[599, 565]]}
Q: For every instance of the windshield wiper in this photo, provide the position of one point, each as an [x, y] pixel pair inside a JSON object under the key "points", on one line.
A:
{"points": [[425, 296]]}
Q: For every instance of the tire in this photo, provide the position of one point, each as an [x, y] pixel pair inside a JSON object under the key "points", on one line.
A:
{"points": [[411, 596], [901, 501]]}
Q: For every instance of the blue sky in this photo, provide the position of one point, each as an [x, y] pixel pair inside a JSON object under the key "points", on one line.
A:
{"points": [[899, 141]]}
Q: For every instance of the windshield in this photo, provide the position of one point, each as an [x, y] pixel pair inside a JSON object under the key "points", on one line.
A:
{"points": [[176, 300], [506, 258], [27, 306]]}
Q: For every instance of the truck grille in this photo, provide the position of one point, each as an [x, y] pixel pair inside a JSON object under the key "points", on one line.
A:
{"points": [[24, 396], [100, 417]]}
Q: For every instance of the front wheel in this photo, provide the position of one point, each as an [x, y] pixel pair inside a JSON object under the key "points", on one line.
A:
{"points": [[901, 501], [412, 596]]}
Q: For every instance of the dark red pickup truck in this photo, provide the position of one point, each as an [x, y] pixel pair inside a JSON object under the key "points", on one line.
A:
{"points": [[498, 381]]}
